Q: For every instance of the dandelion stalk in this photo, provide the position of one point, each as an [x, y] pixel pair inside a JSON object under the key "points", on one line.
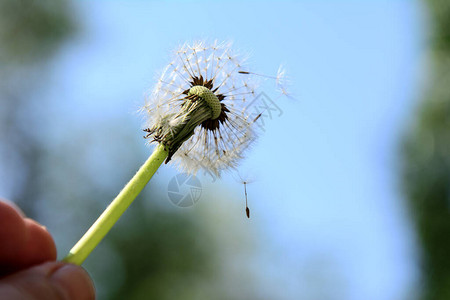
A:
{"points": [[109, 217], [198, 115]]}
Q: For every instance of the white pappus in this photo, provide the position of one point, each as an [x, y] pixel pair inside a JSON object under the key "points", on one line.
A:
{"points": [[198, 108]]}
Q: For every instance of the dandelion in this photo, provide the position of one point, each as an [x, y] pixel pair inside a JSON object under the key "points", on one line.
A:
{"points": [[197, 116], [203, 93]]}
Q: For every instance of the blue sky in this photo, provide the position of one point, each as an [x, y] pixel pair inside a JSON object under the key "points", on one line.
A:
{"points": [[326, 186]]}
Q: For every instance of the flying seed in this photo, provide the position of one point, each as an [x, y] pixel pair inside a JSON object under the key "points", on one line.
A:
{"points": [[247, 210]]}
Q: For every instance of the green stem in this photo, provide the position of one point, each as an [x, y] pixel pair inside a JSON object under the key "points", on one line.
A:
{"points": [[109, 217]]}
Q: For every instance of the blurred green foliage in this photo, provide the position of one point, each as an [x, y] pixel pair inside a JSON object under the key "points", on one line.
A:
{"points": [[426, 166], [31, 30], [164, 256], [440, 21]]}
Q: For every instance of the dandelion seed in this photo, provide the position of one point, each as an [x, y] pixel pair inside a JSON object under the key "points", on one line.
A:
{"points": [[247, 210], [281, 81], [245, 180]]}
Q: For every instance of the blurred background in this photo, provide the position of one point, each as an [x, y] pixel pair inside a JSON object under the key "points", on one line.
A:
{"points": [[355, 205]]}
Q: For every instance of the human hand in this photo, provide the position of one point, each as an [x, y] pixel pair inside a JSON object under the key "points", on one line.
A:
{"points": [[28, 266]]}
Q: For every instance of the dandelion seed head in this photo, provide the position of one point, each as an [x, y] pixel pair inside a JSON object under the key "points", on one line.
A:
{"points": [[198, 108]]}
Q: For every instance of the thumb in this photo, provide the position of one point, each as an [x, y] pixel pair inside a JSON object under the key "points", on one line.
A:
{"points": [[49, 281]]}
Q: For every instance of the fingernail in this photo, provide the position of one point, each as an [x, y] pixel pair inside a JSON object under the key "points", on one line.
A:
{"points": [[74, 283]]}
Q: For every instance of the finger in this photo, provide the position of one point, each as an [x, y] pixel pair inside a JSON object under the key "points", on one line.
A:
{"points": [[13, 205], [75, 281], [50, 281], [13, 233], [24, 241], [39, 246]]}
